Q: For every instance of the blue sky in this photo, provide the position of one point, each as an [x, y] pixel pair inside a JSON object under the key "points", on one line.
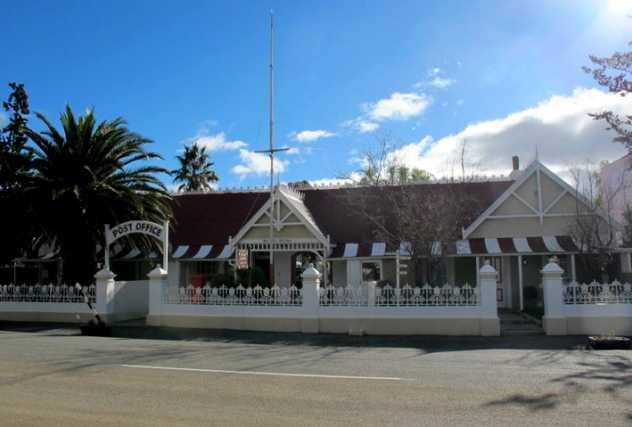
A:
{"points": [[505, 76]]}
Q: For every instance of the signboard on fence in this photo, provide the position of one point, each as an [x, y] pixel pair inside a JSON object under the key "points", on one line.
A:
{"points": [[130, 227], [160, 232], [242, 259]]}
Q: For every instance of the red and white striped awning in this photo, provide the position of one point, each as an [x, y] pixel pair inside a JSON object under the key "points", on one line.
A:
{"points": [[516, 245], [352, 250], [202, 252], [497, 246]]}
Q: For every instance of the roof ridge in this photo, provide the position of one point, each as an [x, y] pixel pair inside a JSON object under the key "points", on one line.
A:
{"points": [[296, 190]]}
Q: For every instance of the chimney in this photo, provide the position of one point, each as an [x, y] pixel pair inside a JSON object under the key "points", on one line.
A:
{"points": [[515, 162]]}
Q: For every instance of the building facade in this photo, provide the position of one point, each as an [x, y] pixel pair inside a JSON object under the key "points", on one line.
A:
{"points": [[520, 222]]}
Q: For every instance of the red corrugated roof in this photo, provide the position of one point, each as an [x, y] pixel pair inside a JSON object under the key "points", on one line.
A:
{"points": [[210, 218]]}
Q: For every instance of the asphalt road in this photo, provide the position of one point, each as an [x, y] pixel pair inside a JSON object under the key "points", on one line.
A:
{"points": [[52, 376]]}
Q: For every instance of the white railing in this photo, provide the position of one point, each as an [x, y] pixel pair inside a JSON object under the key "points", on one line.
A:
{"points": [[427, 295], [390, 296], [239, 295], [344, 295], [597, 293], [47, 293]]}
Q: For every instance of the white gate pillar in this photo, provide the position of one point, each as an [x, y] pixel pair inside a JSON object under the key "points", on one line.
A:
{"points": [[554, 320], [157, 288], [104, 282], [489, 322], [311, 300]]}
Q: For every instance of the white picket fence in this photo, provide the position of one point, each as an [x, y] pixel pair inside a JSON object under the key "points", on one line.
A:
{"points": [[47, 293], [239, 295], [597, 293], [349, 295], [427, 295]]}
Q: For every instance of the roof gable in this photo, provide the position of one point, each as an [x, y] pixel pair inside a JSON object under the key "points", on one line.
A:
{"points": [[537, 193], [287, 213]]}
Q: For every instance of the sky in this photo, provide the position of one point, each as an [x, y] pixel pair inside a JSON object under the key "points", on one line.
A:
{"points": [[505, 77]]}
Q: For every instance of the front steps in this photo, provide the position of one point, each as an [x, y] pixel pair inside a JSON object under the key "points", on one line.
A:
{"points": [[512, 323]]}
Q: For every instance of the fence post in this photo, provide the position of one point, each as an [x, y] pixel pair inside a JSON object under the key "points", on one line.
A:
{"points": [[554, 320], [157, 288], [371, 292], [104, 282], [489, 322], [311, 300]]}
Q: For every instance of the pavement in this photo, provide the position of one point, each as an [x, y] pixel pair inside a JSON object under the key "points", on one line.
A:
{"points": [[50, 375]]}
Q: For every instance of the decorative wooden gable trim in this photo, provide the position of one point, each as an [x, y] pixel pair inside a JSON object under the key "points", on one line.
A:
{"points": [[517, 199], [285, 209]]}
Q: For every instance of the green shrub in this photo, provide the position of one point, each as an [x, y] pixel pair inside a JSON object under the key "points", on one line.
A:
{"points": [[252, 276], [226, 279]]}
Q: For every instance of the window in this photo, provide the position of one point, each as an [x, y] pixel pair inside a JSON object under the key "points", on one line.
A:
{"points": [[371, 271]]}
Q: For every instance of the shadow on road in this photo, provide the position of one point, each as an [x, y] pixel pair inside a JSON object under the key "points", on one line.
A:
{"points": [[426, 344], [599, 372]]}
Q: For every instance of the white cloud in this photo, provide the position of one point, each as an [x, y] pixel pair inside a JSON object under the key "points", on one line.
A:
{"points": [[436, 79], [441, 82], [217, 142], [257, 164], [398, 106], [361, 125], [292, 151], [311, 135], [559, 128]]}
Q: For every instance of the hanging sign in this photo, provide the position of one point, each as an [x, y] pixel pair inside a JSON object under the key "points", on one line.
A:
{"points": [[242, 259], [160, 232]]}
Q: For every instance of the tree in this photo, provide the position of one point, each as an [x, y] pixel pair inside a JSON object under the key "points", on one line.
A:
{"points": [[615, 73], [14, 158], [627, 227], [195, 171], [17, 227], [381, 166], [300, 185], [427, 217], [89, 175], [593, 227]]}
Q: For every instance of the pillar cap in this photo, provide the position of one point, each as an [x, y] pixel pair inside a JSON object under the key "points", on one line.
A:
{"points": [[488, 268], [157, 273], [552, 267], [104, 273], [310, 272]]}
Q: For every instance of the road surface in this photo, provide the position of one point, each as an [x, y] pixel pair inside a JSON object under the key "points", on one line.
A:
{"points": [[52, 376]]}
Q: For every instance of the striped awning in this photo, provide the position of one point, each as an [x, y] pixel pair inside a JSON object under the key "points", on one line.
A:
{"points": [[202, 252], [352, 250], [516, 245], [497, 246]]}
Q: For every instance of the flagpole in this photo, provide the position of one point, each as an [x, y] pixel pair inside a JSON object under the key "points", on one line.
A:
{"points": [[271, 150]]}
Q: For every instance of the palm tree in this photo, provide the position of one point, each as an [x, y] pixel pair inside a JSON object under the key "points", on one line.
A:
{"points": [[195, 171], [89, 175]]}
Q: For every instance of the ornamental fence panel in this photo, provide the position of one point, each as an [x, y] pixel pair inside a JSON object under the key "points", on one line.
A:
{"points": [[239, 295], [348, 295], [597, 293], [427, 295], [48, 293]]}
